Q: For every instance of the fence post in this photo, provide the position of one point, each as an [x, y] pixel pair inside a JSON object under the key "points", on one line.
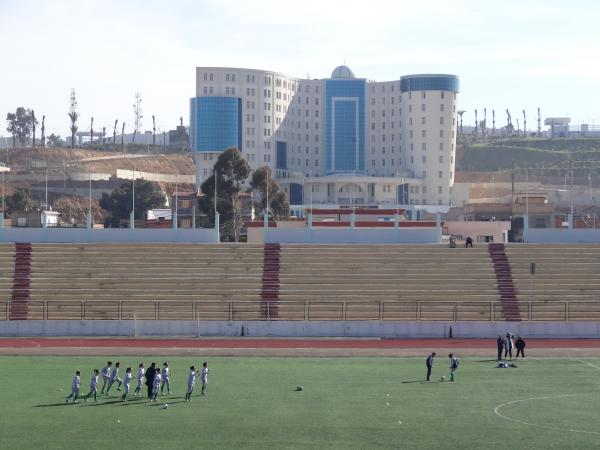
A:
{"points": [[194, 315], [308, 310], [230, 311], [156, 314], [120, 310], [381, 306], [82, 310], [529, 311], [491, 309], [268, 310], [344, 311], [419, 311], [567, 311], [306, 303], [455, 312], [44, 310]]}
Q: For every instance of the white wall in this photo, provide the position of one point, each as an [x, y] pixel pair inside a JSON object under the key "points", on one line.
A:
{"points": [[300, 329], [76, 235]]}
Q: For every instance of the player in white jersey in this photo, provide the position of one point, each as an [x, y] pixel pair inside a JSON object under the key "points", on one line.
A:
{"points": [[75, 387], [156, 384], [127, 383], [191, 382], [93, 385], [165, 379], [204, 377], [114, 378], [106, 373], [140, 379]]}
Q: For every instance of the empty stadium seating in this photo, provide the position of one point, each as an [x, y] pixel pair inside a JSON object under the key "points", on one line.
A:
{"points": [[298, 282], [566, 276], [393, 282]]}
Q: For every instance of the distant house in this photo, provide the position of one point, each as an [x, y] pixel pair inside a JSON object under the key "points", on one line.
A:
{"points": [[35, 218]]}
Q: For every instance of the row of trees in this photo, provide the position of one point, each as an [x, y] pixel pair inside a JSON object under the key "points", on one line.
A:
{"points": [[22, 126]]}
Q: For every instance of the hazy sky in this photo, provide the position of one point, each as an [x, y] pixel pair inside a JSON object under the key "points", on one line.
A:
{"points": [[508, 54]]}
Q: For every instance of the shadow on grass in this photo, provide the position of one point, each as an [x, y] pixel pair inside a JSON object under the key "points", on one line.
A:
{"points": [[420, 381]]}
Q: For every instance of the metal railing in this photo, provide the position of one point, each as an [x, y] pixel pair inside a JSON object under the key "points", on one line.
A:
{"points": [[448, 311]]}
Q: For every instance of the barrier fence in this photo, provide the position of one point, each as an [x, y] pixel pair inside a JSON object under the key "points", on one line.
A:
{"points": [[304, 310]]}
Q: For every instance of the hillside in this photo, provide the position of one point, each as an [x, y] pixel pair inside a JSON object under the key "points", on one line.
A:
{"points": [[533, 153]]}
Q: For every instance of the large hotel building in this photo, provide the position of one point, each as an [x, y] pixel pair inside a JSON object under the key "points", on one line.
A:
{"points": [[341, 140]]}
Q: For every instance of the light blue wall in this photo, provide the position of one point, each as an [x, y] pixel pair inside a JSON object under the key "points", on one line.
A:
{"points": [[429, 83], [215, 123]]}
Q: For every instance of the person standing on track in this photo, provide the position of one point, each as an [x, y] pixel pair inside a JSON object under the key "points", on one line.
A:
{"points": [[500, 346], [429, 364], [150, 373]]}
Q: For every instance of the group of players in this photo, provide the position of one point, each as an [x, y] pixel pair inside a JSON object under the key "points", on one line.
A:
{"points": [[155, 379], [453, 366]]}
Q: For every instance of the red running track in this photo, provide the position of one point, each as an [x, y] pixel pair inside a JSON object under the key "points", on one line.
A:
{"points": [[285, 343]]}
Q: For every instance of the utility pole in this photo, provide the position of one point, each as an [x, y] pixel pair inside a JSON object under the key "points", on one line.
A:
{"points": [[153, 131], [115, 135], [92, 132], [476, 122], [493, 122], [524, 124], [123, 138]]}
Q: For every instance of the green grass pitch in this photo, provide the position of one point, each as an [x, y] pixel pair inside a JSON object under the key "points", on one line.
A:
{"points": [[346, 403]]}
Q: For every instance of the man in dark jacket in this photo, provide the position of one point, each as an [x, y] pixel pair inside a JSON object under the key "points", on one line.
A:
{"points": [[520, 346], [500, 346], [150, 373], [429, 364]]}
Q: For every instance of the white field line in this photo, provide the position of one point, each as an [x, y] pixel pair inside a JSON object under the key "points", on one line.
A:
{"points": [[502, 405]]}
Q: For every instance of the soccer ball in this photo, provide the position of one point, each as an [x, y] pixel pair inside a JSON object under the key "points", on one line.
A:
{"points": [[299, 388], [165, 406], [443, 378]]}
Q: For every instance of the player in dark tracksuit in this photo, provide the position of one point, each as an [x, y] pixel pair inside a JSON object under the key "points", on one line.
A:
{"points": [[150, 373], [429, 364], [520, 346], [500, 346]]}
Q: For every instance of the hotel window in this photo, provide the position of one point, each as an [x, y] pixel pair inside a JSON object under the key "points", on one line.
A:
{"points": [[383, 162], [232, 91], [440, 174], [422, 94], [410, 133], [423, 146], [440, 159], [227, 77], [247, 78], [210, 77], [409, 108], [439, 189], [412, 159], [424, 159], [441, 121], [410, 95], [210, 90], [227, 89], [410, 121], [423, 133], [316, 162], [205, 76], [392, 100], [317, 101], [442, 94], [205, 90], [442, 107], [373, 163], [441, 133], [422, 120], [422, 106]]}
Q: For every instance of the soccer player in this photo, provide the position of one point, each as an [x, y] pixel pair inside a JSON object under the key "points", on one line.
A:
{"points": [[127, 383], [75, 387], [93, 385], [191, 381], [500, 346], [165, 379], [150, 372], [140, 379], [453, 366], [429, 364], [520, 346], [156, 386], [114, 378], [204, 377], [106, 372]]}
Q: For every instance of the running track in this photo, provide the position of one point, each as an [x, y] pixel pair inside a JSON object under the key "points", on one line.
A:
{"points": [[268, 343]]}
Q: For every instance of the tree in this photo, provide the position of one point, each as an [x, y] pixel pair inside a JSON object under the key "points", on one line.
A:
{"points": [[231, 169], [118, 204], [278, 204], [73, 116], [20, 124], [20, 200], [54, 140], [75, 209]]}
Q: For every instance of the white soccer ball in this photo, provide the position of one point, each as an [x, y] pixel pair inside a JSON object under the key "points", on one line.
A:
{"points": [[443, 378], [165, 406]]}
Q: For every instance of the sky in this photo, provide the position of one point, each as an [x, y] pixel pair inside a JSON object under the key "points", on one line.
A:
{"points": [[515, 54]]}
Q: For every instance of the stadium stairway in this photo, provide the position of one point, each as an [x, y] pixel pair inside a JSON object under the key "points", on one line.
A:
{"points": [[270, 280], [506, 285], [21, 282]]}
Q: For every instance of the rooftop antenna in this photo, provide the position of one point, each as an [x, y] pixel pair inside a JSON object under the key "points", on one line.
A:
{"points": [[137, 111], [475, 121], [539, 122], [493, 122], [524, 124], [72, 102]]}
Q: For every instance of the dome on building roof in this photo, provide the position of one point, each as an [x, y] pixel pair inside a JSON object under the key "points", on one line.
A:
{"points": [[342, 72]]}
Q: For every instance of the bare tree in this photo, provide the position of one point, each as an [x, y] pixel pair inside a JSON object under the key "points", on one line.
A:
{"points": [[153, 131], [115, 135], [43, 143], [123, 138], [33, 121], [92, 132]]}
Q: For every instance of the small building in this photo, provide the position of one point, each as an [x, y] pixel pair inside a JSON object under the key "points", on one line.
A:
{"points": [[35, 218]]}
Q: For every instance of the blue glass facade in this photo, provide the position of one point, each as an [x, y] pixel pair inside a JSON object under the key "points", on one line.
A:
{"points": [[345, 125], [281, 155], [429, 83], [215, 123]]}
